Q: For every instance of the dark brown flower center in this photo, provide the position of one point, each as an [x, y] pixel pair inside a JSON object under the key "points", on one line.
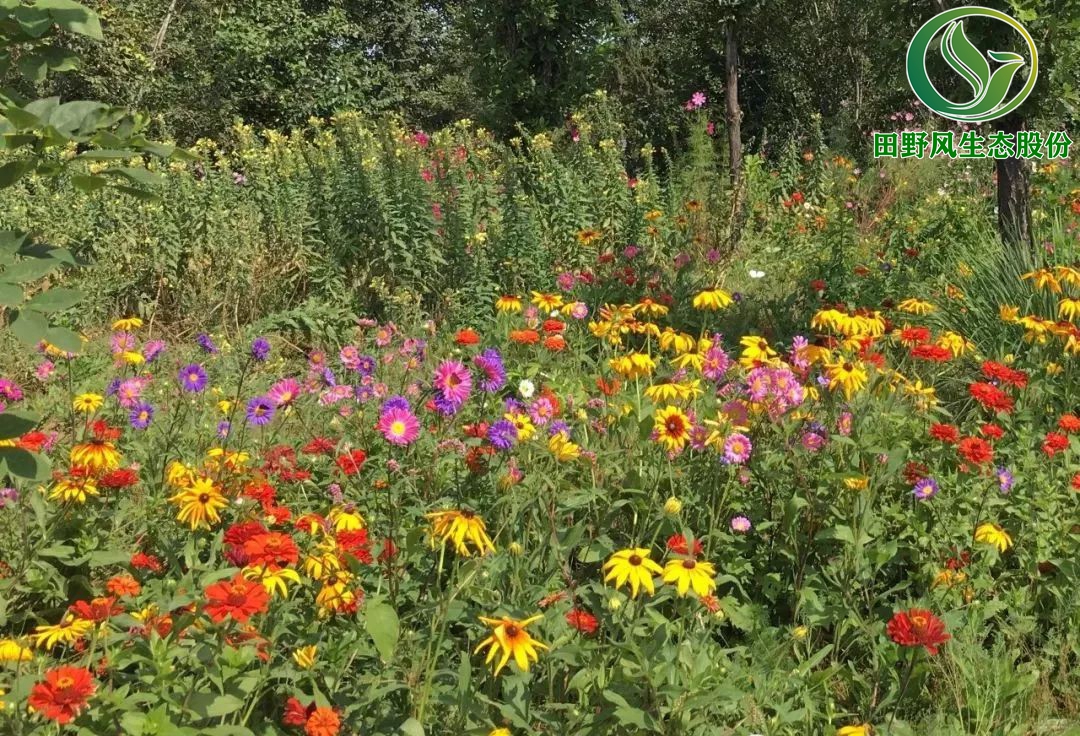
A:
{"points": [[635, 560], [689, 564], [204, 498]]}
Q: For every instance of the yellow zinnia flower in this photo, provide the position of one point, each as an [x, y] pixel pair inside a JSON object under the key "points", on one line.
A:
{"points": [[127, 324], [509, 636], [634, 365], [632, 566], [848, 375], [199, 504], [346, 519], [756, 350], [995, 535], [273, 581], [97, 456], [74, 489], [460, 527], [88, 402], [862, 729], [689, 575], [508, 303], [547, 302], [562, 448]]}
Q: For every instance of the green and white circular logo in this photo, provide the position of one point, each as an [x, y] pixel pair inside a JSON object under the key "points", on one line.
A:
{"points": [[990, 88]]}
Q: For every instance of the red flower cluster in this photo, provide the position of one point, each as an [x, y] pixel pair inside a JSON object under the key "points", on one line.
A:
{"points": [[315, 721], [1055, 442], [63, 694], [582, 620], [351, 462], [991, 397], [934, 353], [992, 431], [914, 336], [998, 372], [1069, 423], [975, 450], [917, 627], [677, 544], [944, 433]]}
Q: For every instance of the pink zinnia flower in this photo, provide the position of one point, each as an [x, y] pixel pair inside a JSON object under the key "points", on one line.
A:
{"points": [[453, 381], [399, 426], [737, 449]]}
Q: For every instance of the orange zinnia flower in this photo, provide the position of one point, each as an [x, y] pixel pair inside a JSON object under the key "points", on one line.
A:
{"points": [[238, 598], [123, 585], [273, 549], [63, 694], [467, 336], [525, 337], [323, 722], [555, 343]]}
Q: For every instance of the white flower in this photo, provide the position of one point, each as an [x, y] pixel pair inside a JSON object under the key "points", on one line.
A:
{"points": [[526, 388], [755, 274], [554, 314]]}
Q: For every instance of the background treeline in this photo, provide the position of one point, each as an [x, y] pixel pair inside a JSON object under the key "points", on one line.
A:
{"points": [[196, 65]]}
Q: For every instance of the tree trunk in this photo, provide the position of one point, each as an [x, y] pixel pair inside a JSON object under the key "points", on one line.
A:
{"points": [[731, 95], [1013, 195]]}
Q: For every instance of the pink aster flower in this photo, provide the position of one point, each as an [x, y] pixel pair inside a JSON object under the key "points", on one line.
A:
{"points": [[284, 392], [399, 426], [453, 381]]}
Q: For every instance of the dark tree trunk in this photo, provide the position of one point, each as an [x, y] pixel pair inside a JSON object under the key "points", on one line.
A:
{"points": [[1013, 195], [731, 95]]}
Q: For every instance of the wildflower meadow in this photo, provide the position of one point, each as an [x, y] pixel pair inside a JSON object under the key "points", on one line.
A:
{"points": [[362, 426]]}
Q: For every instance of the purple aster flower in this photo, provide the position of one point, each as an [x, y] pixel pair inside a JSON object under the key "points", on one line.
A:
{"points": [[192, 378], [141, 416], [260, 411], [8, 497], [502, 434], [741, 525], [365, 365], [153, 349], [206, 343], [453, 381], [926, 488], [559, 427], [446, 407], [113, 387], [491, 367], [1005, 480], [9, 390], [260, 349], [365, 392], [395, 402]]}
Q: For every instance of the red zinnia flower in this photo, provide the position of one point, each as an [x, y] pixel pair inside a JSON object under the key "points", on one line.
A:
{"points": [[143, 561], [1054, 443], [355, 544], [33, 441], [913, 336], [991, 397], [63, 694], [273, 549], [103, 431], [1076, 482], [467, 336], [351, 462], [239, 533], [992, 431], [934, 353], [1005, 374], [608, 388], [677, 544], [944, 433], [119, 478], [975, 450], [525, 337], [582, 620], [917, 627], [1069, 423], [318, 446], [296, 713], [553, 325], [238, 598], [97, 610], [914, 472]]}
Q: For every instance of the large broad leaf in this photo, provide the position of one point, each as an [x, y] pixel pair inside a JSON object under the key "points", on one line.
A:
{"points": [[12, 171], [30, 269], [71, 16], [24, 464], [212, 705], [383, 626], [15, 424], [29, 326], [64, 339], [11, 295], [55, 300], [73, 116]]}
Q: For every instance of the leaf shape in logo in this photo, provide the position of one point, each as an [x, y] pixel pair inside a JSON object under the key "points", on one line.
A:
{"points": [[965, 59]]}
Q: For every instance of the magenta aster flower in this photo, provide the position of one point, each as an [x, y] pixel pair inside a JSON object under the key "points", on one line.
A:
{"points": [[453, 381], [284, 392], [740, 525], [399, 426]]}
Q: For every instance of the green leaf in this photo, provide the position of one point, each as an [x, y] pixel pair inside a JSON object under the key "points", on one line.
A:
{"points": [[29, 326], [15, 424], [73, 17], [136, 175], [211, 705], [88, 182], [412, 727], [32, 67], [29, 269], [55, 300], [64, 339], [34, 20], [106, 154], [382, 624], [12, 171], [73, 116], [25, 464], [11, 295], [21, 118]]}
